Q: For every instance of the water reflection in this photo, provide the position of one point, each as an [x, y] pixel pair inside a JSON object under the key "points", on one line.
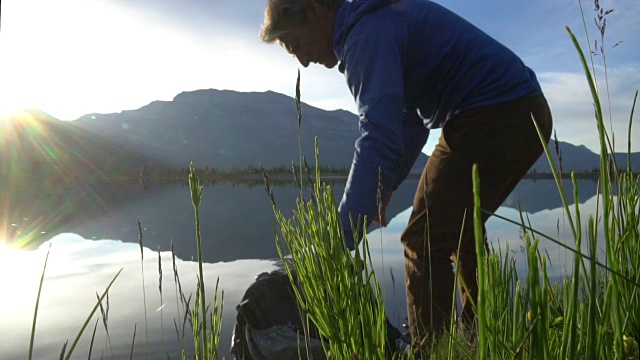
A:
{"points": [[236, 218], [237, 233], [78, 269]]}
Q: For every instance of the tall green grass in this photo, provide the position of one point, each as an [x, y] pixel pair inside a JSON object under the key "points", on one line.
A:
{"points": [[65, 353], [336, 289], [206, 328], [594, 313]]}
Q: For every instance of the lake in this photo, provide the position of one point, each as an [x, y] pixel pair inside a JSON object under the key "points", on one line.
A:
{"points": [[92, 232]]}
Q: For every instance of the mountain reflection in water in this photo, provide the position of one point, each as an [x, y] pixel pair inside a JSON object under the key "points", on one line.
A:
{"points": [[92, 229]]}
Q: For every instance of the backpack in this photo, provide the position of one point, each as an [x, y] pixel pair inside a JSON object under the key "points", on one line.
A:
{"points": [[270, 325]]}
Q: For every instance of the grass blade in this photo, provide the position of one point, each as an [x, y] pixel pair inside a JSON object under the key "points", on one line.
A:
{"points": [[93, 337], [64, 349], [144, 291], [133, 341], [477, 226], [35, 312], [84, 326], [196, 197]]}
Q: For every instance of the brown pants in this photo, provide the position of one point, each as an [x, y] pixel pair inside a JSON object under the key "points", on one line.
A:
{"points": [[503, 141]]}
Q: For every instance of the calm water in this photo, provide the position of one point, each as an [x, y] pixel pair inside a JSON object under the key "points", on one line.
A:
{"points": [[91, 230]]}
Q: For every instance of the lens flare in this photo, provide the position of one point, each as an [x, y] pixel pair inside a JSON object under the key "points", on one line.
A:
{"points": [[41, 167]]}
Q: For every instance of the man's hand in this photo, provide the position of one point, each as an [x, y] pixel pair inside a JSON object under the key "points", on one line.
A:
{"points": [[381, 219]]}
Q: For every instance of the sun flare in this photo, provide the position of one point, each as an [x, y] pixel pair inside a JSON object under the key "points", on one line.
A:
{"points": [[11, 105], [7, 111], [9, 257]]}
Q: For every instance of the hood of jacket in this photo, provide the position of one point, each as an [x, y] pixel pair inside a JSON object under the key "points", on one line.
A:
{"points": [[349, 13]]}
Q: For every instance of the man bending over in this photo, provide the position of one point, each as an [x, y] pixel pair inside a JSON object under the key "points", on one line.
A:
{"points": [[411, 66]]}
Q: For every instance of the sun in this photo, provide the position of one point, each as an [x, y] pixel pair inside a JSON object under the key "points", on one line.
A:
{"points": [[11, 106], [14, 107], [11, 114], [8, 255], [6, 111]]}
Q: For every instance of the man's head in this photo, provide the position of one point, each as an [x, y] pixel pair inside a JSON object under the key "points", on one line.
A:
{"points": [[303, 27]]}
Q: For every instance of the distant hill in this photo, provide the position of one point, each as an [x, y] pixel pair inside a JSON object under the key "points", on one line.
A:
{"points": [[226, 129], [36, 145], [213, 128], [43, 159], [580, 158]]}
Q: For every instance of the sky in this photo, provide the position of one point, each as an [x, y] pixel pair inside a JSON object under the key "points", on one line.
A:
{"points": [[73, 57]]}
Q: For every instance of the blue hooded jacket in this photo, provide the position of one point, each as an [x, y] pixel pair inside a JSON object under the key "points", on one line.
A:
{"points": [[411, 65]]}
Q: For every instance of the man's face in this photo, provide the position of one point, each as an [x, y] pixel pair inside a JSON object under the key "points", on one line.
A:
{"points": [[312, 42]]}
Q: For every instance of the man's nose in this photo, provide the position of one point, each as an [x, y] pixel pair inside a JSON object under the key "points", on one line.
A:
{"points": [[304, 61]]}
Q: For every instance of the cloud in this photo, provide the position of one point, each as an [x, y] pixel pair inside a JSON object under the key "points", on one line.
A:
{"points": [[70, 60], [573, 111]]}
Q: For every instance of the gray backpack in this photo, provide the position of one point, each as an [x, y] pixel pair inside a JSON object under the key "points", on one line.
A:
{"points": [[269, 324]]}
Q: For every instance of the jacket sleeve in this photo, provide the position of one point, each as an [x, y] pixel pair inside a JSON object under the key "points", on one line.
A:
{"points": [[386, 150], [414, 136]]}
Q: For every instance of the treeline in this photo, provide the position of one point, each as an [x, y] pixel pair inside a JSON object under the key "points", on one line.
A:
{"points": [[252, 171], [249, 171], [593, 174]]}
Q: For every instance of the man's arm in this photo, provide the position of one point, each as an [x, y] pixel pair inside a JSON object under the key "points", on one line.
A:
{"points": [[377, 160], [414, 136], [372, 64]]}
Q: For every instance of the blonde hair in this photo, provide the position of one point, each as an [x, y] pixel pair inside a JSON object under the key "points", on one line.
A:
{"points": [[280, 14]]}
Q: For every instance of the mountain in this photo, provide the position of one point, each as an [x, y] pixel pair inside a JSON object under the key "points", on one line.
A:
{"points": [[225, 129], [36, 145], [211, 128], [579, 158], [44, 160]]}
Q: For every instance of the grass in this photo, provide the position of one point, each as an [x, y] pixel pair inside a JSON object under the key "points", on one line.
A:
{"points": [[65, 354], [205, 342], [144, 290], [333, 286], [35, 312]]}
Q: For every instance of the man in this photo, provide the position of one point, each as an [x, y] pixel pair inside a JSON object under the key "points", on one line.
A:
{"points": [[411, 66]]}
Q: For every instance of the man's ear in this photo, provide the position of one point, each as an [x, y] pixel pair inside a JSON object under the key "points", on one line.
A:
{"points": [[317, 11]]}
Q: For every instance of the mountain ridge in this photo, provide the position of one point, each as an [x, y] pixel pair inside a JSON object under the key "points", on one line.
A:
{"points": [[215, 128]]}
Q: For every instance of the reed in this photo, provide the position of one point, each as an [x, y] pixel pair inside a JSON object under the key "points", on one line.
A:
{"points": [[133, 341], [164, 347], [593, 312], [84, 325], [35, 311], [104, 311], [337, 290], [144, 291], [93, 337], [64, 354], [205, 343]]}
